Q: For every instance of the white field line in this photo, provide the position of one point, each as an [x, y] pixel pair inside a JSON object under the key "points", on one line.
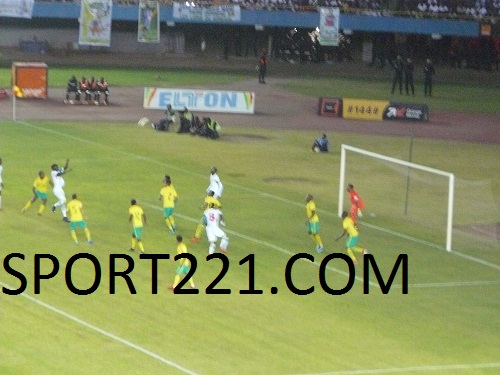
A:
{"points": [[451, 284], [264, 243], [254, 191], [104, 333], [399, 370]]}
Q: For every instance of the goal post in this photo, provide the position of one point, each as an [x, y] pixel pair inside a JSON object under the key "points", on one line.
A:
{"points": [[449, 176]]}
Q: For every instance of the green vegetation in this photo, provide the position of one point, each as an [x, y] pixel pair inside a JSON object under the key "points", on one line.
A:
{"points": [[447, 324], [447, 97]]}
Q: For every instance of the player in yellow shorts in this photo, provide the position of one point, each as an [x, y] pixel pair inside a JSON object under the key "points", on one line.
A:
{"points": [[170, 198], [138, 219], [312, 222], [352, 237], [184, 265], [76, 217], [40, 188]]}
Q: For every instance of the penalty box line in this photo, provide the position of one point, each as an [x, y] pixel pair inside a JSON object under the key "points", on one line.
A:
{"points": [[103, 332], [254, 191], [399, 370]]}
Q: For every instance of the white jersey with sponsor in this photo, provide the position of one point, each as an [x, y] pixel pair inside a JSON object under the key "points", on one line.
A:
{"points": [[215, 185], [58, 181], [1, 170]]}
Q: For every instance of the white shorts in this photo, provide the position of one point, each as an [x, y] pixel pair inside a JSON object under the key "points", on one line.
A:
{"points": [[214, 233], [59, 193]]}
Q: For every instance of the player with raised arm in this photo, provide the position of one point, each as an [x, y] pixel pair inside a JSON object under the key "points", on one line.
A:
{"points": [[352, 237], [213, 217], [184, 265], [208, 200], [215, 183], [58, 183], [40, 188], [170, 198], [137, 218], [357, 203], [312, 222], [77, 217]]}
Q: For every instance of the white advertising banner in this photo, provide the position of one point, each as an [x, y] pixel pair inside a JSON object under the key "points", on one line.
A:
{"points": [[217, 13], [16, 8], [329, 26], [95, 23], [200, 100]]}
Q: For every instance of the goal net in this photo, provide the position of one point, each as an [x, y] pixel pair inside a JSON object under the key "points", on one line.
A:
{"points": [[404, 198], [421, 203]]}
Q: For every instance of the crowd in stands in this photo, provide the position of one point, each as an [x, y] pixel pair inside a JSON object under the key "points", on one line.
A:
{"points": [[415, 8], [453, 8]]}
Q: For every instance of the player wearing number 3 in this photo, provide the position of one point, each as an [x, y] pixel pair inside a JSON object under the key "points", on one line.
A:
{"points": [[213, 217], [357, 203]]}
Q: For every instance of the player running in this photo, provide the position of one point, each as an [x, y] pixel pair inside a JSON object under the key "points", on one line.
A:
{"points": [[138, 219], [58, 183], [357, 204], [352, 237], [209, 199]]}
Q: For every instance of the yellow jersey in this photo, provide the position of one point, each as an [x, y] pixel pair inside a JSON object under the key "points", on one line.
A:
{"points": [[310, 208], [181, 249], [75, 210], [209, 199], [169, 196], [137, 215], [350, 227], [42, 184]]}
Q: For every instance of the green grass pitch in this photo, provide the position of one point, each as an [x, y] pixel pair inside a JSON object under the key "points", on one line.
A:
{"points": [[448, 323]]}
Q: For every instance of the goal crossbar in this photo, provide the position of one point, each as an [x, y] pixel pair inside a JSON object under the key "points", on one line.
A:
{"points": [[448, 175]]}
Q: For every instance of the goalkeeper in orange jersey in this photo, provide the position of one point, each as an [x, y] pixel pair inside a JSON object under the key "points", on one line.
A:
{"points": [[357, 203]]}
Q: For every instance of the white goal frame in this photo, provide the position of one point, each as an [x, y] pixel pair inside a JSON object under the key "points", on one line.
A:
{"points": [[450, 176]]}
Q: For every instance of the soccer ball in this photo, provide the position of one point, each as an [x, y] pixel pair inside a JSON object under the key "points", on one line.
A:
{"points": [[143, 121], [316, 149]]}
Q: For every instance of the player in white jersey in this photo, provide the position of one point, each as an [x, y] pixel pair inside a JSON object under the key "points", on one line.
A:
{"points": [[56, 175], [215, 184], [1, 183], [213, 217]]}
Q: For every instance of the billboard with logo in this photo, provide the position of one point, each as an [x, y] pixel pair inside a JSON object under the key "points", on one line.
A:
{"points": [[362, 109], [29, 80], [200, 100], [406, 111], [331, 107]]}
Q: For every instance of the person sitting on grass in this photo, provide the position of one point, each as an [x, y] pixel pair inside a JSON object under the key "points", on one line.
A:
{"points": [[186, 121], [321, 144]]}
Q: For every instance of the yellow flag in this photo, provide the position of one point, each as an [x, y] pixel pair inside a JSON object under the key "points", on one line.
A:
{"points": [[17, 92]]}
